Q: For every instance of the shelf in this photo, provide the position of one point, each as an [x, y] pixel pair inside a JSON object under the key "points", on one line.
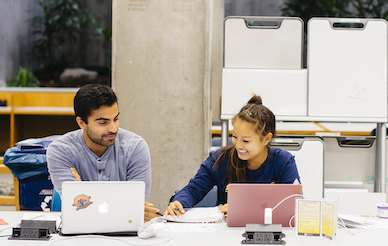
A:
{"points": [[7, 201], [33, 110], [5, 110], [4, 169], [38, 89], [322, 119], [332, 119], [28, 109], [314, 128]]}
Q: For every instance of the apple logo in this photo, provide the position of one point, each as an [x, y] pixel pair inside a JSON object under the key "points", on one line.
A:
{"points": [[103, 208]]}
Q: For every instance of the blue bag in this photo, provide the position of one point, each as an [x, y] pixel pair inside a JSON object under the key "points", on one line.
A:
{"points": [[27, 160]]}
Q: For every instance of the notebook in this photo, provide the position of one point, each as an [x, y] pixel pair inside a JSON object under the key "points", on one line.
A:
{"points": [[198, 215], [102, 207], [247, 202]]}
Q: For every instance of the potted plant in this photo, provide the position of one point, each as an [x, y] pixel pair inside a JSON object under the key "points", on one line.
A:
{"points": [[23, 78], [57, 29]]}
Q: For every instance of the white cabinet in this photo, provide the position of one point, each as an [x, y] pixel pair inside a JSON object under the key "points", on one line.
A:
{"points": [[263, 42], [283, 91], [347, 67]]}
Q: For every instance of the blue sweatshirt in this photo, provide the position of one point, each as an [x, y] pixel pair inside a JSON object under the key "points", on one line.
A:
{"points": [[279, 167]]}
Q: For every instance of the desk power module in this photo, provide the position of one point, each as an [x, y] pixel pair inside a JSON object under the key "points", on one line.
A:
{"points": [[34, 230], [263, 234]]}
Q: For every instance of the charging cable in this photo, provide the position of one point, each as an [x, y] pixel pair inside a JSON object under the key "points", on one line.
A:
{"points": [[125, 241], [148, 234], [289, 222], [268, 211]]}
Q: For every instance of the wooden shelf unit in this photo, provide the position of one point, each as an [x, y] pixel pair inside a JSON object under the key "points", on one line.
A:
{"points": [[33, 113]]}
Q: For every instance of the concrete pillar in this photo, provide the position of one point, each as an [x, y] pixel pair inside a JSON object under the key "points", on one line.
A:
{"points": [[161, 74], [217, 58]]}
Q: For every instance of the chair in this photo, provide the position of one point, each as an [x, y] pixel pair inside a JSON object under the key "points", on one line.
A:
{"points": [[216, 141], [56, 203], [309, 158], [209, 200]]}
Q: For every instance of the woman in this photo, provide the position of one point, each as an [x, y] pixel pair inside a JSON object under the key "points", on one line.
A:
{"points": [[248, 160]]}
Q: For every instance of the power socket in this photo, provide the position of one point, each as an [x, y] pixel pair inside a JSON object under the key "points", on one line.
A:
{"points": [[263, 234], [33, 230], [30, 234]]}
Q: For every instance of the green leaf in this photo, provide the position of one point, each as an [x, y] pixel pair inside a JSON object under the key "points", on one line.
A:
{"points": [[23, 78]]}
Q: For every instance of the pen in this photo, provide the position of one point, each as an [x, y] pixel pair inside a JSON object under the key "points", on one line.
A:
{"points": [[158, 213]]}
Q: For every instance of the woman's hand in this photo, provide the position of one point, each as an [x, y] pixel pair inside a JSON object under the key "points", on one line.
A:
{"points": [[224, 208], [175, 209], [150, 211]]}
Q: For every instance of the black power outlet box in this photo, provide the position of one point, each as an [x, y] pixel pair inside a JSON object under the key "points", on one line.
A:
{"points": [[34, 230], [30, 234]]}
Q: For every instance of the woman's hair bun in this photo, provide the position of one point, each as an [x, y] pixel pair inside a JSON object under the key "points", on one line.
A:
{"points": [[256, 100]]}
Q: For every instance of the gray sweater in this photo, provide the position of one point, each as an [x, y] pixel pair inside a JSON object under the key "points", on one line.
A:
{"points": [[127, 159]]}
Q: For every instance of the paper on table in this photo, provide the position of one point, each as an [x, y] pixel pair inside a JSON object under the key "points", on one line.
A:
{"points": [[192, 227], [353, 221], [361, 222], [199, 215]]}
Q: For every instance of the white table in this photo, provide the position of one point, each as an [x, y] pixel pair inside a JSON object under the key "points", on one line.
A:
{"points": [[196, 234]]}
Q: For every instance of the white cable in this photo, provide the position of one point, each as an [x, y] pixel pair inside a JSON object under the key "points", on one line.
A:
{"points": [[268, 211], [289, 222], [293, 195], [147, 242], [148, 234]]}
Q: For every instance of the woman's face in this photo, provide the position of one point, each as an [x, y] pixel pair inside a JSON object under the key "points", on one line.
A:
{"points": [[250, 146]]}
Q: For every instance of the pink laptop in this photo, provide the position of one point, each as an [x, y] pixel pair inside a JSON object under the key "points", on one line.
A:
{"points": [[247, 202]]}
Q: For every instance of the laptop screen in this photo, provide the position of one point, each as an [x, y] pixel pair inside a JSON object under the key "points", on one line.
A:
{"points": [[247, 202], [102, 206]]}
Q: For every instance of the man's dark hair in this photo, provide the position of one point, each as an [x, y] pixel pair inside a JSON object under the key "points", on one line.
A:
{"points": [[91, 97]]}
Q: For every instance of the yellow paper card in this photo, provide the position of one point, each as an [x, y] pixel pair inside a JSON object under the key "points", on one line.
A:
{"points": [[329, 219], [308, 217]]}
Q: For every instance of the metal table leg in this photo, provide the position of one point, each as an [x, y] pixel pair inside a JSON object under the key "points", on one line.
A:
{"points": [[224, 132], [380, 157]]}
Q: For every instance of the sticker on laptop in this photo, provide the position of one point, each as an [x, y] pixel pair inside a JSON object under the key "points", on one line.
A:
{"points": [[82, 201]]}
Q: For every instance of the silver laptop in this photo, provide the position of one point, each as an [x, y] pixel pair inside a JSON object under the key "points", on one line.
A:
{"points": [[102, 207]]}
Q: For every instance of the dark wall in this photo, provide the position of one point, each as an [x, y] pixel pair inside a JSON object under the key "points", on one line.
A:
{"points": [[16, 40], [253, 7]]}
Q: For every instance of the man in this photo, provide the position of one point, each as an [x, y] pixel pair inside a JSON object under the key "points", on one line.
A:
{"points": [[100, 150]]}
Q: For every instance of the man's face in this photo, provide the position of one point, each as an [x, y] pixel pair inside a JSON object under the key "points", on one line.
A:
{"points": [[102, 127]]}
